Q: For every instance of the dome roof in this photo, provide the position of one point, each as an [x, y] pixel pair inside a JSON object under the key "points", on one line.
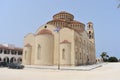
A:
{"points": [[63, 12], [44, 31], [64, 15], [75, 22], [56, 20], [89, 23]]}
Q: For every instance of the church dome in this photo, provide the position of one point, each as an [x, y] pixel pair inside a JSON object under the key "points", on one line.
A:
{"points": [[44, 31], [64, 16]]}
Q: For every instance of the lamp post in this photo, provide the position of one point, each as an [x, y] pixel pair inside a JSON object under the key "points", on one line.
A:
{"points": [[59, 50], [58, 31]]}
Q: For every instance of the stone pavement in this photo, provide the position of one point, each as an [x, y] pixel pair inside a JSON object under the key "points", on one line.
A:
{"points": [[79, 68]]}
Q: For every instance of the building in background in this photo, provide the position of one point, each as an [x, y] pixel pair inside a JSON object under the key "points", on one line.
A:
{"points": [[10, 54], [62, 41]]}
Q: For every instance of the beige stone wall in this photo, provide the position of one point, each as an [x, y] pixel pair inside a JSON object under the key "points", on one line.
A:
{"points": [[44, 54], [84, 49], [65, 54], [29, 39], [68, 34], [56, 39], [80, 50], [27, 55]]}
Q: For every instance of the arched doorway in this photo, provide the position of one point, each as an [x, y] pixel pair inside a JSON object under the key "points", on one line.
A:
{"points": [[6, 59], [12, 60], [19, 60]]}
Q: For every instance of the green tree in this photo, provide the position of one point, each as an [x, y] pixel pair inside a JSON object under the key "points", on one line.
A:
{"points": [[104, 56], [118, 5], [112, 59]]}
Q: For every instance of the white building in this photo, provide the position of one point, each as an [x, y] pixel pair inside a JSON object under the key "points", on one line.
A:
{"points": [[9, 53]]}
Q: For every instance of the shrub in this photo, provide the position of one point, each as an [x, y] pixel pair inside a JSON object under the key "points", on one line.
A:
{"points": [[112, 59]]}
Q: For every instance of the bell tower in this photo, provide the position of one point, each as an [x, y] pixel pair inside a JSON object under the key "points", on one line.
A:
{"points": [[90, 32]]}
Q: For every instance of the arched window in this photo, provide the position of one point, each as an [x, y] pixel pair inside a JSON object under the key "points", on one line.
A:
{"points": [[89, 32], [6, 59], [39, 52], [80, 55], [63, 53], [89, 26], [13, 60], [19, 60], [90, 36], [25, 54], [19, 52], [5, 51]]}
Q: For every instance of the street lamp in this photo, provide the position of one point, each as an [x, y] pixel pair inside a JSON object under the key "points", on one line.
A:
{"points": [[58, 31]]}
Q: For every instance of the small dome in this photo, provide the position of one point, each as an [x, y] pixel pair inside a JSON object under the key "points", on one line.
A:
{"points": [[89, 23], [64, 16], [44, 31], [63, 12]]}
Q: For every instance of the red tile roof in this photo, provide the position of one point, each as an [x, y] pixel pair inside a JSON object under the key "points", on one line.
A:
{"points": [[65, 41], [5, 47], [27, 45], [44, 31]]}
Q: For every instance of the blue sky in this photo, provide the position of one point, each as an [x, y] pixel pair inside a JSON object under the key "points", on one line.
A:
{"points": [[20, 17]]}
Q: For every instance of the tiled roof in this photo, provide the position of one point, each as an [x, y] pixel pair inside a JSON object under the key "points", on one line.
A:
{"points": [[27, 45], [65, 41], [44, 31], [75, 22], [57, 20], [15, 48], [63, 12]]}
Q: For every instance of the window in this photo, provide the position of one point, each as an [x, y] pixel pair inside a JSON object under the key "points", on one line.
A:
{"points": [[89, 32], [12, 52], [5, 51], [19, 52], [90, 36], [80, 55], [1, 50], [8, 51], [39, 52], [45, 26], [89, 26], [63, 54], [25, 55]]}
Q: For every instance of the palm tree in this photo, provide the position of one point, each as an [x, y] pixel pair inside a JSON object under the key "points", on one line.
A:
{"points": [[104, 56], [118, 5]]}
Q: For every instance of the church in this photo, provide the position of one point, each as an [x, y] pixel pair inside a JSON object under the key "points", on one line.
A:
{"points": [[61, 41]]}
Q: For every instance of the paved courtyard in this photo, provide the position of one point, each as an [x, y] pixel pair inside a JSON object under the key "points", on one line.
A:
{"points": [[110, 71]]}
